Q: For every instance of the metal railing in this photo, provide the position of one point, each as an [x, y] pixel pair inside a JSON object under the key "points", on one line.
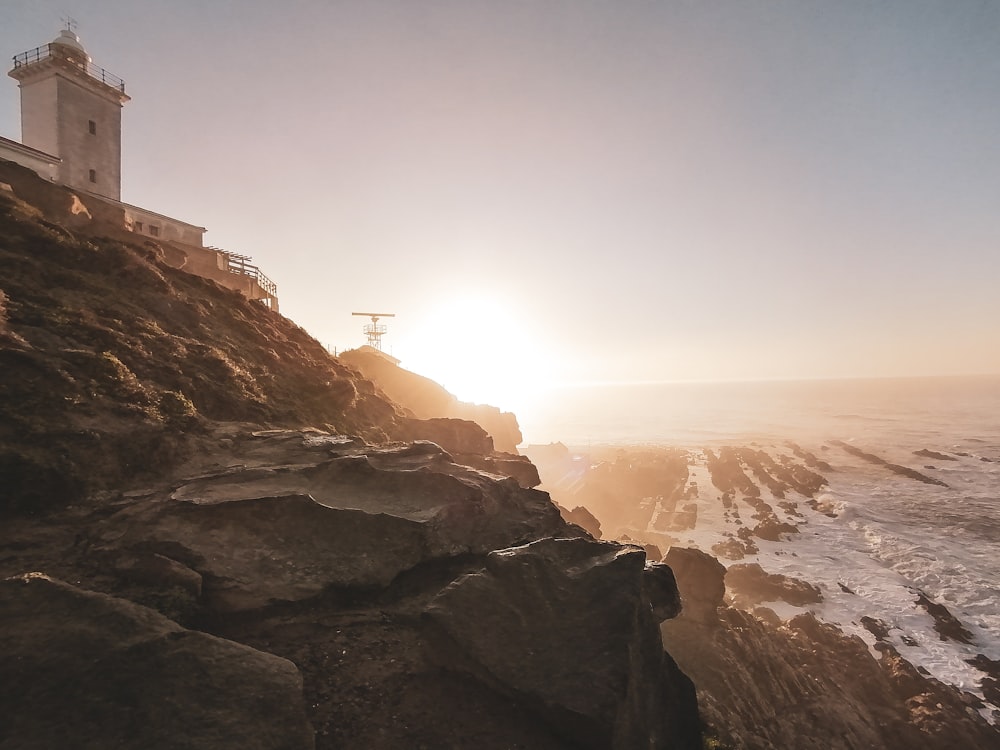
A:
{"points": [[240, 264], [94, 71]]}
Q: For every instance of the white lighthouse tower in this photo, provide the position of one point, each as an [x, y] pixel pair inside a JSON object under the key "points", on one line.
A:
{"points": [[72, 109]]}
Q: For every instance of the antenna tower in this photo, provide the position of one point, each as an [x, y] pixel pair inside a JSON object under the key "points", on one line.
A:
{"points": [[373, 330]]}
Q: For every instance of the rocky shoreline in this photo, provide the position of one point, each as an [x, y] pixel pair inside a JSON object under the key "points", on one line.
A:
{"points": [[764, 680]]}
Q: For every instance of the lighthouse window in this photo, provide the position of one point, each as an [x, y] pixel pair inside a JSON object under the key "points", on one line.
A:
{"points": [[92, 126], [93, 175]]}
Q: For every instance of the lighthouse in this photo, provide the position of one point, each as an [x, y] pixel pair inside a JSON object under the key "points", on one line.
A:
{"points": [[72, 109]]}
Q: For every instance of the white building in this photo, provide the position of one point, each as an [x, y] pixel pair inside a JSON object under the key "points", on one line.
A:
{"points": [[71, 134], [72, 109]]}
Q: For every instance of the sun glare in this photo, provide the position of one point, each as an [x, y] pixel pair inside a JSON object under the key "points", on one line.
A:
{"points": [[481, 350]]}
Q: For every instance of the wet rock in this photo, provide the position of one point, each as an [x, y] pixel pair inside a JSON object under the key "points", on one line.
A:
{"points": [[772, 529], [895, 468], [925, 453], [573, 639], [731, 549], [810, 458], [876, 627], [727, 474], [85, 670], [991, 682], [750, 584], [947, 626], [939, 711]]}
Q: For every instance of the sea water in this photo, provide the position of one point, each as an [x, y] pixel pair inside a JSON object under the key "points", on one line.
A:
{"points": [[879, 538]]}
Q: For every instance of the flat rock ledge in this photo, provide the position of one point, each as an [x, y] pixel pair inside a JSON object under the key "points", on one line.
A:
{"points": [[343, 516]]}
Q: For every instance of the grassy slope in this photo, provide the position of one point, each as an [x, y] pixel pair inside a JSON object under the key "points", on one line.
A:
{"points": [[111, 361]]}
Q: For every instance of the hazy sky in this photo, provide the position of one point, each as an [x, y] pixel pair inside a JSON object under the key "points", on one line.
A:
{"points": [[580, 189]]}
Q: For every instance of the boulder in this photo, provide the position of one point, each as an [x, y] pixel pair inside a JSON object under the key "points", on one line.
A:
{"points": [[947, 626], [582, 518], [700, 580], [504, 464], [86, 670], [660, 589], [573, 639], [160, 571], [771, 529]]}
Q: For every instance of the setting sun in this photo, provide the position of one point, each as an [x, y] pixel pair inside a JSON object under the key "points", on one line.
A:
{"points": [[482, 350]]}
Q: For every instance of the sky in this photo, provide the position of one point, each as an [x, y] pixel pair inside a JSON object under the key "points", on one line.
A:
{"points": [[579, 190]]}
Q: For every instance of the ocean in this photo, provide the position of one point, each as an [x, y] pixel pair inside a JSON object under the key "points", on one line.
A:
{"points": [[875, 539]]}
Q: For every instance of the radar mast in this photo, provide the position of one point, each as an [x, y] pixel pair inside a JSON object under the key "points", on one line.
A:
{"points": [[374, 331]]}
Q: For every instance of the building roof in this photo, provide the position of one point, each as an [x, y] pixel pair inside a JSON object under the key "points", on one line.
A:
{"points": [[8, 144]]}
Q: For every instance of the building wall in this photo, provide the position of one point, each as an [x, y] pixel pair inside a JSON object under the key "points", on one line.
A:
{"points": [[39, 115], [212, 263], [68, 113], [43, 165], [91, 161], [157, 226]]}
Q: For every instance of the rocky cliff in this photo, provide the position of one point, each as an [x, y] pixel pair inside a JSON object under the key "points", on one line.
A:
{"points": [[216, 535], [425, 399]]}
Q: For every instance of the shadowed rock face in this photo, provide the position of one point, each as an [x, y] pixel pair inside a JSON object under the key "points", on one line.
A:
{"points": [[701, 581], [569, 613], [84, 670]]}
